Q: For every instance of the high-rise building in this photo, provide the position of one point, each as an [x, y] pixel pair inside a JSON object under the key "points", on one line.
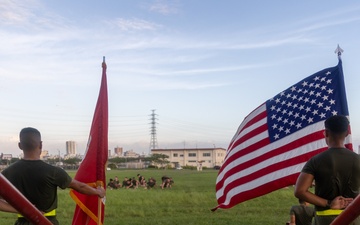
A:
{"points": [[70, 148], [118, 151]]}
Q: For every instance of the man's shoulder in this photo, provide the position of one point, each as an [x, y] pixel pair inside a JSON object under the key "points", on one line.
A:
{"points": [[13, 166], [294, 208], [337, 153], [44, 164], [48, 167], [349, 152]]}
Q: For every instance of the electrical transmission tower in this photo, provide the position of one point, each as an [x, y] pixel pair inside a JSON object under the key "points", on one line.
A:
{"points": [[153, 140]]}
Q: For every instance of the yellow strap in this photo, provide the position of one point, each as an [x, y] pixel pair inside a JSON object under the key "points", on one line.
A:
{"points": [[329, 212], [51, 213]]}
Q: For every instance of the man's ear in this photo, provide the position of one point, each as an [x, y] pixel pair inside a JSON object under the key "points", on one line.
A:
{"points": [[348, 131], [326, 133], [19, 144], [40, 146]]}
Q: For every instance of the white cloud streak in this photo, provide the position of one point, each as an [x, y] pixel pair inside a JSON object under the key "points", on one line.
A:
{"points": [[165, 7], [15, 12], [134, 24]]}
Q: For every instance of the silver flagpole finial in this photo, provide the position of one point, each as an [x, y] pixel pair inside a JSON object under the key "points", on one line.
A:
{"points": [[338, 51]]}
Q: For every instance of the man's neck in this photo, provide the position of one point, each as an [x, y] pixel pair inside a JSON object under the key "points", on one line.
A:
{"points": [[337, 146], [336, 143], [31, 157]]}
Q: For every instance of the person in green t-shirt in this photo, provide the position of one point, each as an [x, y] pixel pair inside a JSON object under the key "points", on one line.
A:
{"points": [[39, 181], [336, 172]]}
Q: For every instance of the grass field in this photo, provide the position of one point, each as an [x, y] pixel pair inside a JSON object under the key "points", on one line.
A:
{"points": [[188, 202]]}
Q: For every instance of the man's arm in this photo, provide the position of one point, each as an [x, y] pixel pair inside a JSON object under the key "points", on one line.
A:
{"points": [[301, 191], [86, 189], [6, 207], [292, 219]]}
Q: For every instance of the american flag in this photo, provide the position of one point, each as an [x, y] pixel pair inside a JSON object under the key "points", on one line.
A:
{"points": [[274, 141]]}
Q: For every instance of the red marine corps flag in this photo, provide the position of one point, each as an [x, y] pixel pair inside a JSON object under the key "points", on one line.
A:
{"points": [[90, 209], [276, 139]]}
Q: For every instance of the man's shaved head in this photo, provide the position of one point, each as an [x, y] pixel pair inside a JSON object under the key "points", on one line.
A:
{"points": [[337, 124], [30, 139]]}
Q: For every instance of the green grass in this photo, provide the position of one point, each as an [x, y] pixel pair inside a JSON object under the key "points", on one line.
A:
{"points": [[188, 202]]}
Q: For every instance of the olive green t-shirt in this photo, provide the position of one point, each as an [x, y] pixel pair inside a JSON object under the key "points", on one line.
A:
{"points": [[303, 214], [38, 182], [336, 172]]}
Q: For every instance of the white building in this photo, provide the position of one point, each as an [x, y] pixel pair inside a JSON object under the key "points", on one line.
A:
{"points": [[204, 157]]}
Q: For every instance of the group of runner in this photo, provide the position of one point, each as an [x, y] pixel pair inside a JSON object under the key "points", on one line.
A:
{"points": [[139, 182]]}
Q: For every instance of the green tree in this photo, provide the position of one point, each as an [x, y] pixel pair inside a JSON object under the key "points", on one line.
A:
{"points": [[117, 160], [112, 166], [159, 159], [72, 161], [52, 161]]}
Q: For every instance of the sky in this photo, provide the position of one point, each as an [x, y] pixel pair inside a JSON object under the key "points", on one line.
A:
{"points": [[201, 65]]}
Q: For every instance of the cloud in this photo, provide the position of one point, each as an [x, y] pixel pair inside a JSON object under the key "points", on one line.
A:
{"points": [[134, 24], [207, 70], [327, 23], [29, 15], [15, 12], [183, 85], [336, 17], [165, 8]]}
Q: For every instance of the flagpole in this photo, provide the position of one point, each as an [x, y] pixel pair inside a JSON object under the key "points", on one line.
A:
{"points": [[99, 184], [351, 212], [99, 211]]}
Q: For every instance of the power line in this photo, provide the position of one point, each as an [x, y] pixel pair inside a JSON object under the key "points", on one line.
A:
{"points": [[153, 139]]}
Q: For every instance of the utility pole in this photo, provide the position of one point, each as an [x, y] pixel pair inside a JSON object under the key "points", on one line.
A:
{"points": [[59, 158], [153, 139]]}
